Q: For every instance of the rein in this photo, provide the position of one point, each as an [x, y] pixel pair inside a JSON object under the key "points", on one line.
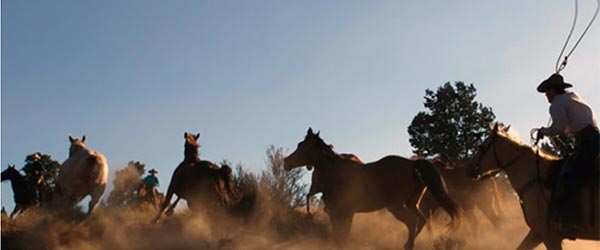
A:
{"points": [[521, 191], [500, 165]]}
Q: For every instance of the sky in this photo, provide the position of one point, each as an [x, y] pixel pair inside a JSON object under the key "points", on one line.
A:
{"points": [[133, 76]]}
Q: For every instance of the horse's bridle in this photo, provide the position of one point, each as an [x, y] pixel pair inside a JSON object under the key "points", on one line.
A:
{"points": [[499, 164]]}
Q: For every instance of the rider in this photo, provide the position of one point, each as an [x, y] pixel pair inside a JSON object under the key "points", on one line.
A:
{"points": [[151, 183], [572, 115], [35, 173]]}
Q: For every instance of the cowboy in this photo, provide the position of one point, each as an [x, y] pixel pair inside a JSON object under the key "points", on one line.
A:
{"points": [[151, 183], [35, 173], [572, 115]]}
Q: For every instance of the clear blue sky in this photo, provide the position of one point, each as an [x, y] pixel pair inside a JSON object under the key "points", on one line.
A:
{"points": [[133, 76]]}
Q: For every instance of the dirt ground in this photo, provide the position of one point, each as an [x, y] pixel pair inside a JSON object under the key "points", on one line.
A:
{"points": [[132, 229]]}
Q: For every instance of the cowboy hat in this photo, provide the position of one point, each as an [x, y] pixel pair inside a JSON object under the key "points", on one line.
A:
{"points": [[153, 171], [37, 156], [554, 81]]}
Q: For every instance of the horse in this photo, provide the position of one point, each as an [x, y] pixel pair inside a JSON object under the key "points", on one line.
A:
{"points": [[348, 187], [83, 173], [24, 191], [201, 183], [469, 194], [315, 186], [527, 171], [145, 196]]}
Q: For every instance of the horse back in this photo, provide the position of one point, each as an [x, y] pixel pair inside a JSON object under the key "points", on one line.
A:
{"points": [[81, 171]]}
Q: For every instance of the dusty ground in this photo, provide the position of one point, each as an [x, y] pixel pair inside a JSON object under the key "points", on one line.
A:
{"points": [[115, 229]]}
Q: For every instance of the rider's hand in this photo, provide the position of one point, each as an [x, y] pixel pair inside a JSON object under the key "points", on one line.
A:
{"points": [[540, 135]]}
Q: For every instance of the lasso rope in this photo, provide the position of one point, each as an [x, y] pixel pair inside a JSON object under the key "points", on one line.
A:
{"points": [[562, 65]]}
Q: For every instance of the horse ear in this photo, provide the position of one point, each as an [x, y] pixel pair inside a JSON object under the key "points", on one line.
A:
{"points": [[83, 139], [185, 135], [71, 138], [507, 128], [197, 136], [310, 131], [318, 133], [495, 127]]}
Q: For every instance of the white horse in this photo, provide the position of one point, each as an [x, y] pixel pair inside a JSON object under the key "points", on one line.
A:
{"points": [[83, 173], [527, 172]]}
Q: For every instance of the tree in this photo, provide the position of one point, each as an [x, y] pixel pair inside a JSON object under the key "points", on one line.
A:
{"points": [[453, 126], [126, 184], [282, 187]]}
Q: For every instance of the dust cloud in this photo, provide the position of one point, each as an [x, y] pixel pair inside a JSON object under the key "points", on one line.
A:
{"points": [[267, 228]]}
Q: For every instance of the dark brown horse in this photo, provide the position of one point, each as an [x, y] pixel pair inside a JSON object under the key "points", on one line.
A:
{"points": [[469, 194], [349, 187], [527, 172], [315, 185], [201, 183], [24, 191]]}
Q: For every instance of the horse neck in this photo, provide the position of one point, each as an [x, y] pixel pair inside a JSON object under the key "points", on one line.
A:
{"points": [[326, 166], [191, 154], [526, 169], [17, 180]]}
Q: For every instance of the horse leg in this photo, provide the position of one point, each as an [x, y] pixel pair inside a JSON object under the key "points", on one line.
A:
{"points": [[165, 203], [489, 212], [530, 241], [341, 223], [473, 224], [171, 209], [413, 222], [95, 194], [18, 208]]}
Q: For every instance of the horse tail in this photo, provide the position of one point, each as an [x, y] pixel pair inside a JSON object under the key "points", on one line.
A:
{"points": [[435, 182]]}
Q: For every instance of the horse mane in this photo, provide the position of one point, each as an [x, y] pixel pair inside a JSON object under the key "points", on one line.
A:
{"points": [[520, 144]]}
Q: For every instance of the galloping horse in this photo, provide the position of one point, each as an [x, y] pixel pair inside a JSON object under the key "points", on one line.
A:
{"points": [[349, 187], [24, 191], [145, 196], [469, 194], [201, 183], [315, 185], [527, 173], [83, 173]]}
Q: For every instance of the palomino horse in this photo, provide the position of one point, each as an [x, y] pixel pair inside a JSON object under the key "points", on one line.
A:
{"points": [[349, 187], [83, 173], [469, 194], [201, 183], [24, 191], [527, 173]]}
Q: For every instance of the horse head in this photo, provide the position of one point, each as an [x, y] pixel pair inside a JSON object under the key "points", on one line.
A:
{"points": [[10, 173], [191, 146], [485, 162], [307, 151], [76, 145]]}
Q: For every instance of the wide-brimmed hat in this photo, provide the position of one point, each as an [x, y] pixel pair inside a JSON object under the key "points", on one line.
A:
{"points": [[153, 171], [37, 156], [554, 81]]}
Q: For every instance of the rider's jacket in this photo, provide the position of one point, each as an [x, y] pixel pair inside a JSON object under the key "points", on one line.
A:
{"points": [[570, 114]]}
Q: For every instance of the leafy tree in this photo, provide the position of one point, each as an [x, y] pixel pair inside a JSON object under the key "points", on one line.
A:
{"points": [[453, 126], [126, 184], [282, 187], [51, 167]]}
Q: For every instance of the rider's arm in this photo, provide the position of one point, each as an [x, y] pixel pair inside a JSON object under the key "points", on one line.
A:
{"points": [[559, 121]]}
